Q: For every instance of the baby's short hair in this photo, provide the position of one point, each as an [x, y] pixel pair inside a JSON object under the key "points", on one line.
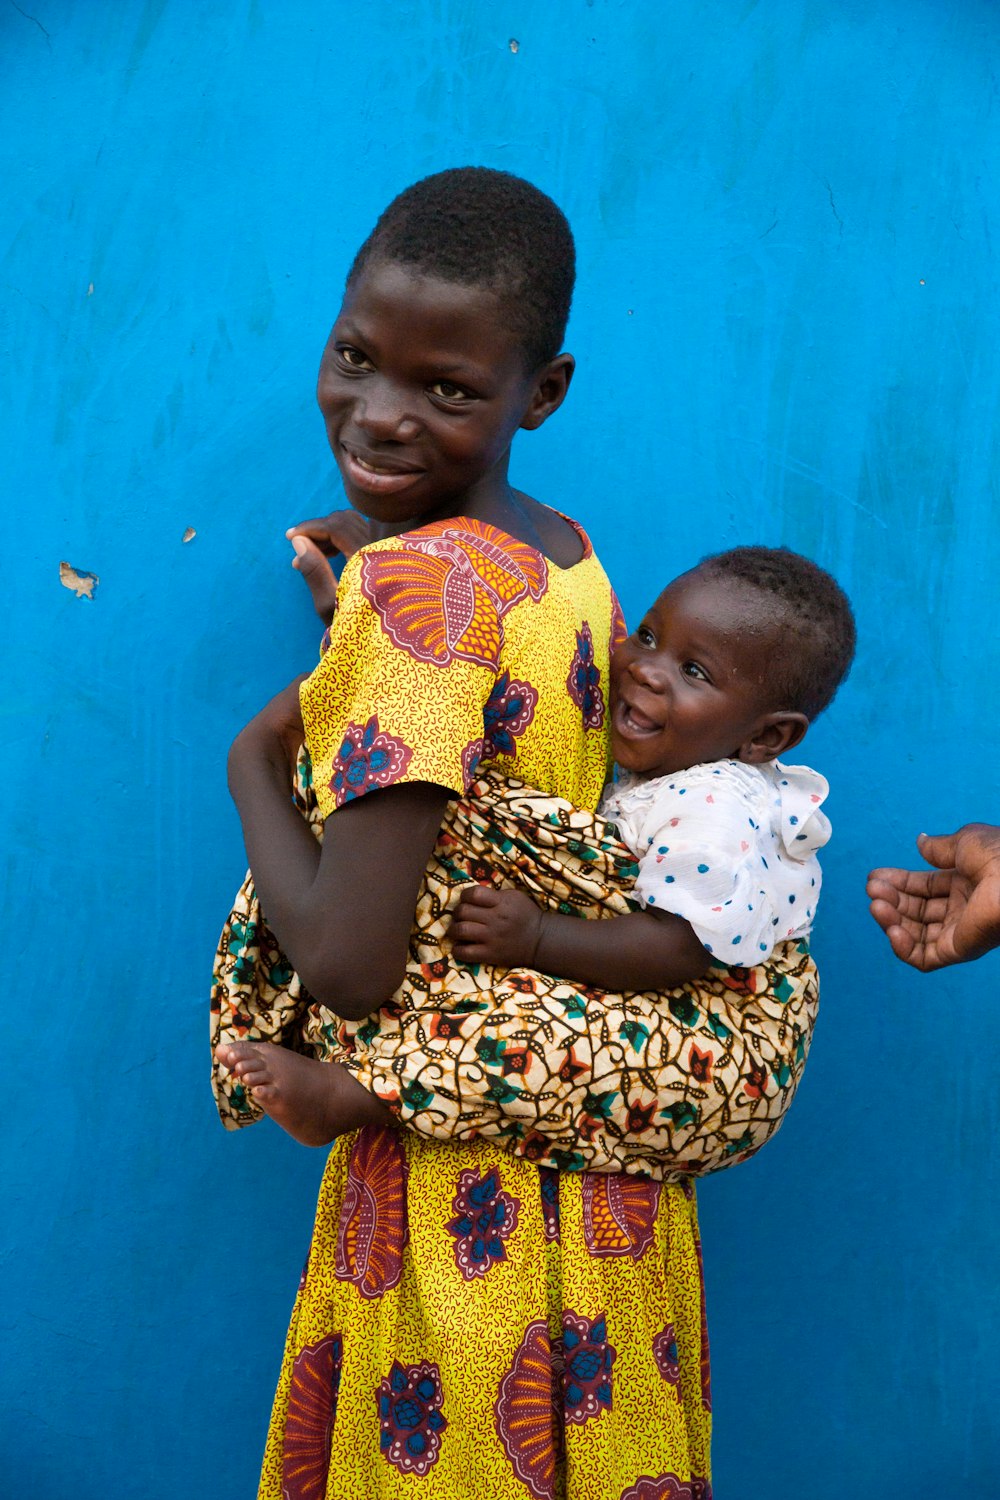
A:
{"points": [[480, 227], [817, 623]]}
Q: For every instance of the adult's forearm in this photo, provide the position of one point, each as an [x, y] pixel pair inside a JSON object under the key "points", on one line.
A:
{"points": [[638, 952]]}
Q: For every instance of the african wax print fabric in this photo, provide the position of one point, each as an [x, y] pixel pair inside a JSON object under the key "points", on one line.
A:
{"points": [[467, 1324], [685, 1082]]}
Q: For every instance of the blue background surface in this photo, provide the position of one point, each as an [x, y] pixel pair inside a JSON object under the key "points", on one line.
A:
{"points": [[786, 323]]}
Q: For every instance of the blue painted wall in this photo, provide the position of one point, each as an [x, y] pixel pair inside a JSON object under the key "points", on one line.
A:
{"points": [[786, 326]]}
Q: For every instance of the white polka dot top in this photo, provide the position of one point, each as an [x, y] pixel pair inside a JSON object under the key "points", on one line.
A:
{"points": [[728, 847]]}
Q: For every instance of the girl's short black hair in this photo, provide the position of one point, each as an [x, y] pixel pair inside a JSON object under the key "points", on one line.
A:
{"points": [[817, 632], [480, 227]]}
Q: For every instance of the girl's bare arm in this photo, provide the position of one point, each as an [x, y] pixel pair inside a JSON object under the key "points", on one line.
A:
{"points": [[342, 911]]}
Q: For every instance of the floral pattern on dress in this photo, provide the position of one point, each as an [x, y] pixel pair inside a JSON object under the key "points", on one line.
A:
{"points": [[526, 1416], [443, 595], [666, 1354], [485, 1216], [548, 1182], [619, 1214], [587, 1362], [411, 1421], [312, 1409], [507, 713], [666, 1487], [372, 1232], [471, 756], [367, 758], [584, 681]]}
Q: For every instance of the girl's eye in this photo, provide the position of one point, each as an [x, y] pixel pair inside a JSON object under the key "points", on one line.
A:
{"points": [[353, 357], [449, 391], [692, 669]]}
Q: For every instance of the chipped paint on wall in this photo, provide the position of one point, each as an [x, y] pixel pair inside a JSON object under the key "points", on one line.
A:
{"points": [[82, 583]]}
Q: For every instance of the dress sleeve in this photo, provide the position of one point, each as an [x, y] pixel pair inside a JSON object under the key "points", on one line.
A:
{"points": [[703, 860], [391, 700]]}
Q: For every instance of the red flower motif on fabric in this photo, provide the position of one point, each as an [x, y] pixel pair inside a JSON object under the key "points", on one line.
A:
{"points": [[741, 981], [700, 1064], [444, 595], [507, 713], [584, 681], [485, 1216], [587, 1362], [526, 1418], [755, 1083], [367, 758], [666, 1355], [619, 1213], [312, 1408], [411, 1421], [372, 1232]]}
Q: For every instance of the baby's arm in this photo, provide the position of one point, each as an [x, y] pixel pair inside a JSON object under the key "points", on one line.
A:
{"points": [[648, 950]]}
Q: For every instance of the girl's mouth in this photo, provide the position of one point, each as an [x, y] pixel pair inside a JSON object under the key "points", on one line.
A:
{"points": [[374, 478]]}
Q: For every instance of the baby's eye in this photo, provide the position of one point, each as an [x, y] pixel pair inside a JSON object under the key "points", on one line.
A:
{"points": [[449, 391], [645, 636], [353, 357], [692, 669]]}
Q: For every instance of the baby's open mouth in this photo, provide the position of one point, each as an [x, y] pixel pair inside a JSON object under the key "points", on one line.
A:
{"points": [[631, 721]]}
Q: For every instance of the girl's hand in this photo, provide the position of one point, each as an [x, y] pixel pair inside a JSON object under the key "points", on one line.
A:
{"points": [[948, 915], [275, 734], [341, 532], [496, 927]]}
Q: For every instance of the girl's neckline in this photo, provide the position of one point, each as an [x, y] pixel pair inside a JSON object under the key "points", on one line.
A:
{"points": [[461, 521]]}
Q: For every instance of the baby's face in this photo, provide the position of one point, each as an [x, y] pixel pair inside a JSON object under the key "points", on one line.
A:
{"points": [[690, 684]]}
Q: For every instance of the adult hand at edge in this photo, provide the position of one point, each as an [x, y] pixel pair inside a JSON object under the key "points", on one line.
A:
{"points": [[948, 915]]}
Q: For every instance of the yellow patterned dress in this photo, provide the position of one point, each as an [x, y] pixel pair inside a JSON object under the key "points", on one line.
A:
{"points": [[469, 1324]]}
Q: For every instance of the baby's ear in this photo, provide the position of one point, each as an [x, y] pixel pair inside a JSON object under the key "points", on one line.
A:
{"points": [[772, 736], [550, 391]]}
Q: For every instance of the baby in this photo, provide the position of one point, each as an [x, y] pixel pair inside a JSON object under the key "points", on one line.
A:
{"points": [[722, 676]]}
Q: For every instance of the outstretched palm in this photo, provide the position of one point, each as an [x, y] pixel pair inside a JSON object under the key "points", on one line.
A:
{"points": [[948, 915]]}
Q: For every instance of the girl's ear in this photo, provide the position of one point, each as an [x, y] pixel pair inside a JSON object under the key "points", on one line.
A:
{"points": [[549, 393], [772, 736]]}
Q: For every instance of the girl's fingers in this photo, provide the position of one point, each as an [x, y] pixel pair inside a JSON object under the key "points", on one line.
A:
{"points": [[318, 575]]}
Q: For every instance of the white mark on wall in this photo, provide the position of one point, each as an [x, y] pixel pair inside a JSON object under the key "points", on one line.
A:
{"points": [[514, 44], [189, 535], [90, 290], [83, 584]]}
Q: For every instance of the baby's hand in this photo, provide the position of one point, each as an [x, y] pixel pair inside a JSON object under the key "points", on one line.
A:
{"points": [[342, 531], [496, 927]]}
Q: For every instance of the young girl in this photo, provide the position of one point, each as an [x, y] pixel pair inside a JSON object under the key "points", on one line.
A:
{"points": [[722, 675], [562, 1350]]}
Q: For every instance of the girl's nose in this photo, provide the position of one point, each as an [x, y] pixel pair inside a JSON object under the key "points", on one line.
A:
{"points": [[383, 413]]}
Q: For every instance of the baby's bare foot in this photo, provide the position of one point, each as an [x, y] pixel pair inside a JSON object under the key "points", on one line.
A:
{"points": [[314, 1101]]}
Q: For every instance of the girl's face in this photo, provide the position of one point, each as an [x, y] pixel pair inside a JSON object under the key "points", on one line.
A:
{"points": [[690, 684], [422, 386]]}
